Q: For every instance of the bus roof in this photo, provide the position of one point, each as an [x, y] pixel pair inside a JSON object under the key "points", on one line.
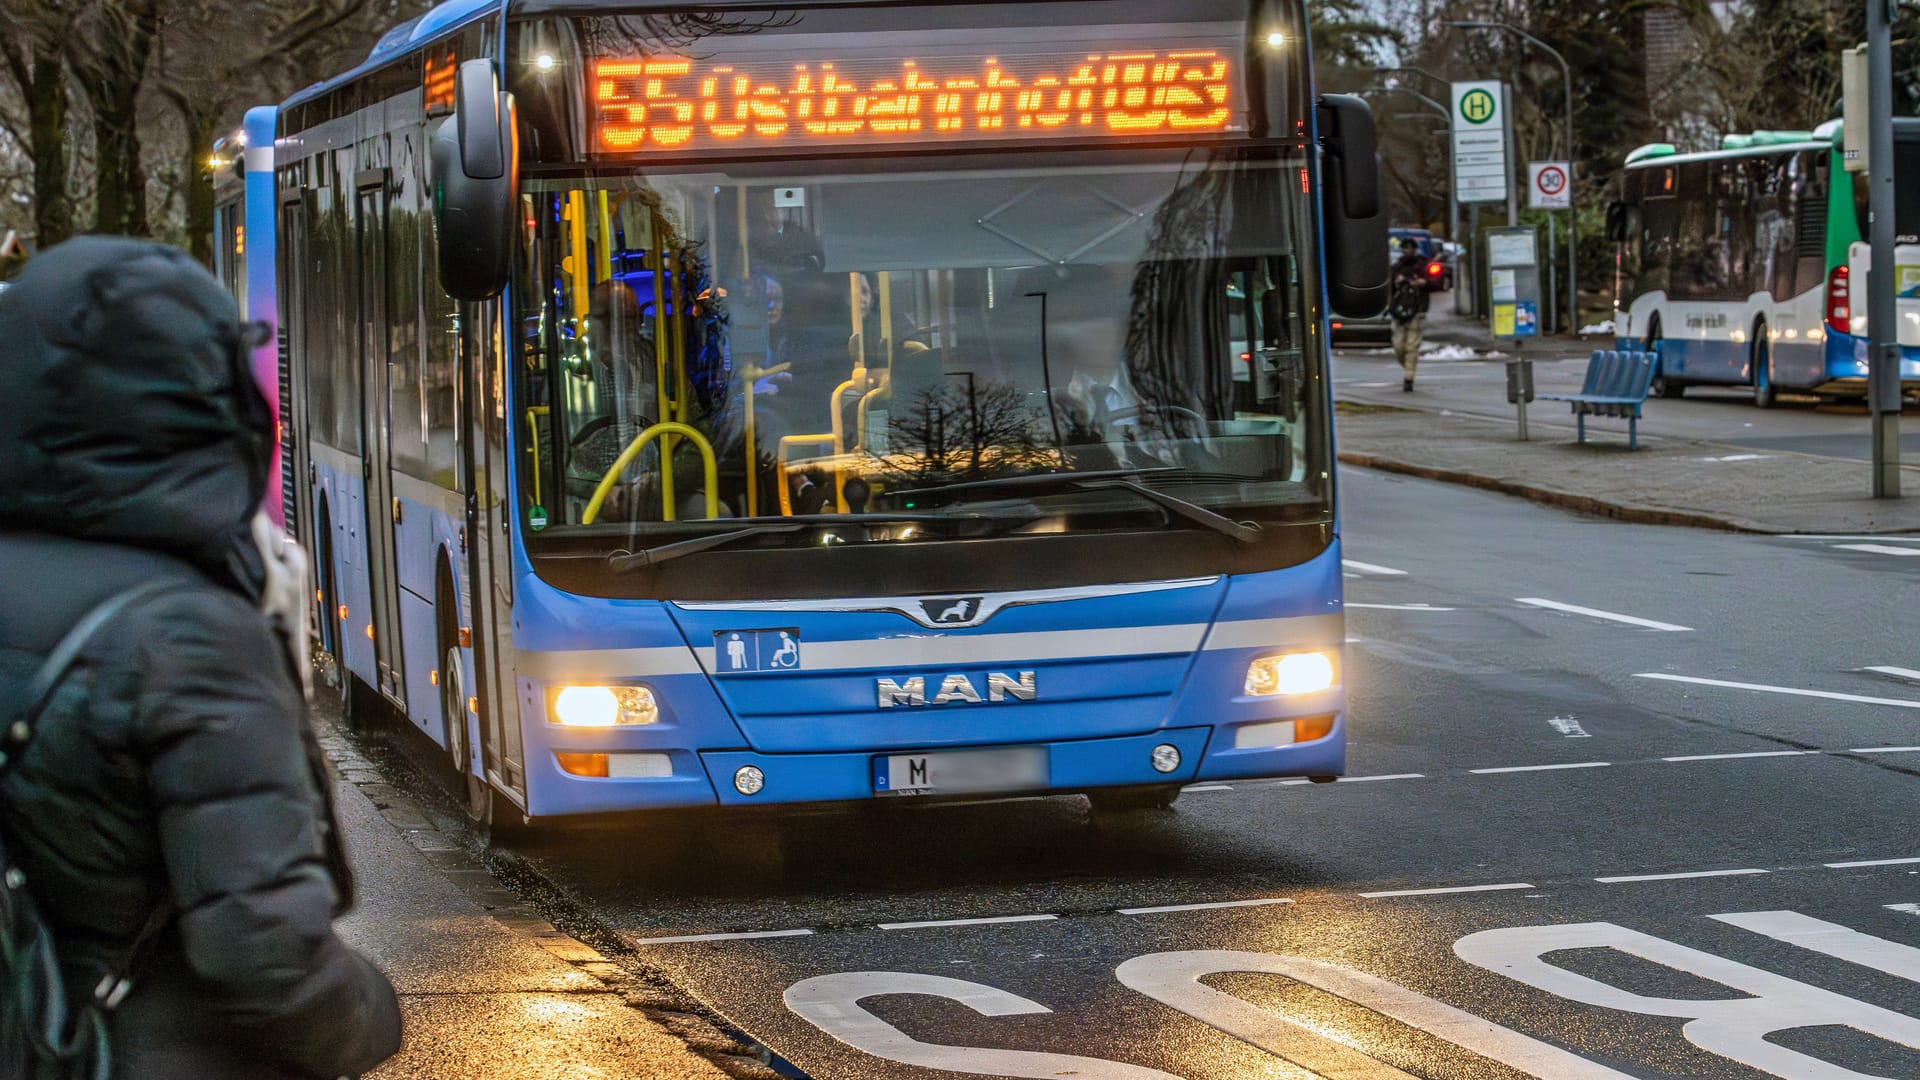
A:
{"points": [[399, 38], [1781, 142]]}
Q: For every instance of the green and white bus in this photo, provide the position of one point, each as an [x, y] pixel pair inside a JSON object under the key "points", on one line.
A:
{"points": [[1746, 266]]}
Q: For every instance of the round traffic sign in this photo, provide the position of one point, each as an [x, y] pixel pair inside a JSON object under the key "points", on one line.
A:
{"points": [[1477, 106], [1552, 180]]}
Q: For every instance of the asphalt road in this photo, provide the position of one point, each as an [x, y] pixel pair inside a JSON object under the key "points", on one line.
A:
{"points": [[1367, 372], [1526, 780]]}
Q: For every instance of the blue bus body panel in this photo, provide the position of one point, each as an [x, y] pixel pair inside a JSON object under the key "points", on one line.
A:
{"points": [[1113, 677], [1846, 358]]}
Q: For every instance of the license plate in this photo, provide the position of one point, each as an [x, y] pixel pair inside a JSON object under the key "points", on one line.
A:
{"points": [[961, 772]]}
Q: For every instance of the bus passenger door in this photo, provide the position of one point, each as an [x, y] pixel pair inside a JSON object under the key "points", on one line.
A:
{"points": [[376, 462], [489, 573]]}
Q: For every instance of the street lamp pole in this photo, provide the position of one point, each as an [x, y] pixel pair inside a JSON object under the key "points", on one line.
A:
{"points": [[1573, 212]]}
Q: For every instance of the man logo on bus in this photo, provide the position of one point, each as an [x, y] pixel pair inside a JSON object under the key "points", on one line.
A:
{"points": [[956, 610], [1477, 106]]}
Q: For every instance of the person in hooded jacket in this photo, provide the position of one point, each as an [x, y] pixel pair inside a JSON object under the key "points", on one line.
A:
{"points": [[173, 768]]}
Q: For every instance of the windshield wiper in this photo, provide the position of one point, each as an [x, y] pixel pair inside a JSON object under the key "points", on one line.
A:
{"points": [[1111, 480], [622, 562]]}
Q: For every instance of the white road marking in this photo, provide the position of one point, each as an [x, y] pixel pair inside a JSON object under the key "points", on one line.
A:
{"points": [[1568, 726], [1899, 703], [1216, 905], [1360, 779], [1885, 750], [1399, 607], [1622, 879], [1904, 909], [1748, 754], [1868, 862], [751, 935], [1207, 787], [1879, 549], [1882, 539], [1544, 768], [1506, 887], [930, 923], [1370, 568], [1897, 672], [1596, 613], [1830, 939]]}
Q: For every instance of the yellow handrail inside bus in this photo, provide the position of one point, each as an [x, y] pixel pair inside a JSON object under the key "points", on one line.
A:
{"points": [[780, 464], [533, 437], [632, 451], [866, 402], [751, 374], [840, 443]]}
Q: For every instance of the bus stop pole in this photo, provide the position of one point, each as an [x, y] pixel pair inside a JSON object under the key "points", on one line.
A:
{"points": [[1883, 343]]}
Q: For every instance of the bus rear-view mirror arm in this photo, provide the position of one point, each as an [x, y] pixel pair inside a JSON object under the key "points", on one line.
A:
{"points": [[1354, 215], [476, 179]]}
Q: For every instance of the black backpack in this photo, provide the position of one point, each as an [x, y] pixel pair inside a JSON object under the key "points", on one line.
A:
{"points": [[41, 1036], [1406, 299]]}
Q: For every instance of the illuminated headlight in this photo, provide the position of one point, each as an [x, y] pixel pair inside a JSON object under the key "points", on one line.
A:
{"points": [[605, 706], [1291, 673]]}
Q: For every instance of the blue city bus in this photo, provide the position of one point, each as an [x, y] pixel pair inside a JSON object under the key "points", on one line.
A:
{"points": [[1747, 265], [243, 258], [827, 402]]}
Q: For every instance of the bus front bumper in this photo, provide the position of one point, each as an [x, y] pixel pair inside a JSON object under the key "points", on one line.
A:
{"points": [[705, 778]]}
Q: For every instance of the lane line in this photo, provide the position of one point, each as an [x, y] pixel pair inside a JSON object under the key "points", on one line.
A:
{"points": [[1398, 607], [1884, 539], [1885, 750], [1506, 887], [1596, 613], [1748, 754], [1880, 549], [1359, 779], [929, 923], [1625, 878], [752, 935], [1207, 787], [1896, 672], [1869, 862], [1904, 909], [1544, 768], [1371, 568], [1794, 691], [1214, 906]]}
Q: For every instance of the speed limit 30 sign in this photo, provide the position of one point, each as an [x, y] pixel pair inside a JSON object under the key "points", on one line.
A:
{"points": [[1549, 185]]}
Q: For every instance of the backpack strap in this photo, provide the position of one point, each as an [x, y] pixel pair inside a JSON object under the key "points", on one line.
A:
{"points": [[63, 656]]}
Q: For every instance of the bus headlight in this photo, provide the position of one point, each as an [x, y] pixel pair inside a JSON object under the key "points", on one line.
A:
{"points": [[1291, 673], [605, 706]]}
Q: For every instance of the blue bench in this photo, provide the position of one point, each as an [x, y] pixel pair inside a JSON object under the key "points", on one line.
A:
{"points": [[1616, 385]]}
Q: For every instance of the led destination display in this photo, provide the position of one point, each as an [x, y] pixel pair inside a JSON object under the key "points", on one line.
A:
{"points": [[677, 103]]}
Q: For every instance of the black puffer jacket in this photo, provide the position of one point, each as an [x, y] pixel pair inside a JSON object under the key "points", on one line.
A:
{"points": [[174, 764]]}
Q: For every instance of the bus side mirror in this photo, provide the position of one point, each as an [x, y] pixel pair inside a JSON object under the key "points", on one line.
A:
{"points": [[1617, 222], [476, 180], [1353, 214]]}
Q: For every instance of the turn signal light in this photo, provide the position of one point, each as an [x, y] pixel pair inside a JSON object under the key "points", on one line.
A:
{"points": [[605, 706], [582, 764], [1291, 673]]}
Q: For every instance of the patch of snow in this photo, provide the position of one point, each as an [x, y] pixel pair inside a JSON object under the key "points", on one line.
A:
{"points": [[1457, 352], [1604, 326]]}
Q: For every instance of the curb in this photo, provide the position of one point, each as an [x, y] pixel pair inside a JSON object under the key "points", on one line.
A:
{"points": [[473, 873], [1586, 504]]}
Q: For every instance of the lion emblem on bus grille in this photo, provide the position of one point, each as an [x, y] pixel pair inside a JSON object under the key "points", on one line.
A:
{"points": [[958, 610]]}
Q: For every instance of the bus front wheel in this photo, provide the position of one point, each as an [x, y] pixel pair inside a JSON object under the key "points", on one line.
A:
{"points": [[1661, 385], [1121, 800], [1764, 395]]}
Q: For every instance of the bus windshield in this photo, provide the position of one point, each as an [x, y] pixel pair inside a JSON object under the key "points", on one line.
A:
{"points": [[719, 321]]}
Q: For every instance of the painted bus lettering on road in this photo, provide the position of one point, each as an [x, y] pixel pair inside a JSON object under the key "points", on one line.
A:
{"points": [[1736, 1029]]}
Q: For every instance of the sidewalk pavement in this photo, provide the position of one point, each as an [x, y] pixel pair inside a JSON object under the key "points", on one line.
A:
{"points": [[1668, 481], [489, 990]]}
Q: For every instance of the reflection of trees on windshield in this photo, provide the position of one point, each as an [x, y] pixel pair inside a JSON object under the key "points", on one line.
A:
{"points": [[1176, 331], [962, 431]]}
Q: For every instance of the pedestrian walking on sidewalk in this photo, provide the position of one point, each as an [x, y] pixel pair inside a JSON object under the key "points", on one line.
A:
{"points": [[1408, 310], [164, 805]]}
